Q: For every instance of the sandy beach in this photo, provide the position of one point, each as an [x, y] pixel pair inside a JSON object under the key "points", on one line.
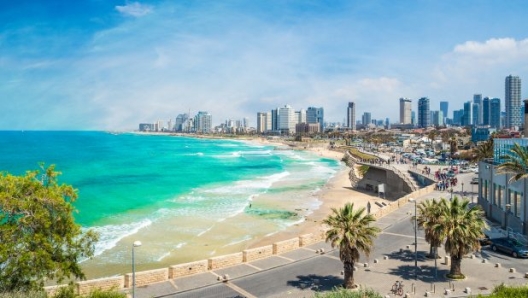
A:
{"points": [[335, 194]]}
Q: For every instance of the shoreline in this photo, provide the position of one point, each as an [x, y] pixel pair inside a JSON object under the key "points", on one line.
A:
{"points": [[333, 194]]}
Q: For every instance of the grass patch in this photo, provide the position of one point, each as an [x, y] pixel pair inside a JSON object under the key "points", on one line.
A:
{"points": [[357, 154], [503, 291]]}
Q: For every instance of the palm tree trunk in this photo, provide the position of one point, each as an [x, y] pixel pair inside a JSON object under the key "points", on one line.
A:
{"points": [[456, 264], [349, 275]]}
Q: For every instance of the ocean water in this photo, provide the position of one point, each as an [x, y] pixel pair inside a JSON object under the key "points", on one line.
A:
{"points": [[184, 198]]}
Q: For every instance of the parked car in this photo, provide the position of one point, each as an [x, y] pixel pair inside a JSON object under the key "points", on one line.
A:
{"points": [[474, 180], [510, 246]]}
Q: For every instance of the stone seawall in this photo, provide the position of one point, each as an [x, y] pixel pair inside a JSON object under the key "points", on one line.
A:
{"points": [[124, 282]]}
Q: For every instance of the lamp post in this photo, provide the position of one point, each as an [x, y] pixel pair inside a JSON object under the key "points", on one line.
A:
{"points": [[462, 189], [134, 245], [451, 192], [415, 240], [472, 192]]}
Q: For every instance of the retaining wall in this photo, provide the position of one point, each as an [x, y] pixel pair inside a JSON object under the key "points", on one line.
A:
{"points": [[147, 277], [104, 284], [186, 269], [225, 261], [285, 246], [257, 253]]}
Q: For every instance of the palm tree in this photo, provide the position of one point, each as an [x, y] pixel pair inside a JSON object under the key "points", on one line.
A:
{"points": [[516, 163], [462, 226], [352, 232], [429, 212], [484, 150]]}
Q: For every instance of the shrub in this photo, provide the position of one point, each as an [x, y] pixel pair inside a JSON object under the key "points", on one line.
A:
{"points": [[344, 293]]}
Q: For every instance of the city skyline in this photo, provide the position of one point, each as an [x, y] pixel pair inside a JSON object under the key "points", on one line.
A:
{"points": [[108, 65]]}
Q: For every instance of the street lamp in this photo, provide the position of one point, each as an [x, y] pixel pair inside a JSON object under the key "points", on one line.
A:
{"points": [[462, 189], [415, 240], [134, 245]]}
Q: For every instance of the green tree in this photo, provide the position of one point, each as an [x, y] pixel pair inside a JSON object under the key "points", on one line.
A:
{"points": [[515, 163], [353, 233], [39, 239], [461, 226]]}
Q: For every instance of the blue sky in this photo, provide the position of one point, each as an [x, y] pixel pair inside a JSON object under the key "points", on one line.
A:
{"points": [[109, 65]]}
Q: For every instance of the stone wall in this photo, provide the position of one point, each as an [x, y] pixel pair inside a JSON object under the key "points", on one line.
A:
{"points": [[225, 261], [147, 277], [104, 284], [257, 253], [307, 239], [185, 269], [285, 246]]}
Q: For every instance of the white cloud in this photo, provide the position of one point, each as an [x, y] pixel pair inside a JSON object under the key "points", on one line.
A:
{"points": [[134, 9]]}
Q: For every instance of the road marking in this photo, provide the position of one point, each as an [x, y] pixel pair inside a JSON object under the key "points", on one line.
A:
{"points": [[251, 265], [401, 235], [291, 260], [332, 257], [240, 290], [171, 281]]}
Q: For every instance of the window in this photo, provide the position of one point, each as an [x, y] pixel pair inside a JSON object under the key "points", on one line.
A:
{"points": [[495, 194], [518, 203]]}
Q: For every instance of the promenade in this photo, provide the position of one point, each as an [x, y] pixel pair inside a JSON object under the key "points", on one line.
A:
{"points": [[311, 269]]}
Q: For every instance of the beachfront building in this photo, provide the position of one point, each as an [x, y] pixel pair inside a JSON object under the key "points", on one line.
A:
{"points": [[287, 120], [146, 127], [512, 101], [315, 115], [263, 122], [351, 115], [503, 202], [424, 114], [203, 122], [180, 124], [405, 111]]}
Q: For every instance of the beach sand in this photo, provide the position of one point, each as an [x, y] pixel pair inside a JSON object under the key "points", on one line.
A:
{"points": [[335, 194]]}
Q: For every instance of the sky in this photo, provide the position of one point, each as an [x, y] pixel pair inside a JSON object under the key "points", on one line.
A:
{"points": [[110, 65]]}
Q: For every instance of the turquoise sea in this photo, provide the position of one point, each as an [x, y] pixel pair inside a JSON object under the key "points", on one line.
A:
{"points": [[184, 198]]}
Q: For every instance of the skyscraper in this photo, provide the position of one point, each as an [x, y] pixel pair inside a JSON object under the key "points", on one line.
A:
{"points": [[351, 115], [444, 108], [263, 122], [477, 113], [287, 120], [405, 111], [315, 115], [495, 113], [475, 110], [468, 114], [512, 101], [424, 115], [203, 122], [366, 118], [486, 111]]}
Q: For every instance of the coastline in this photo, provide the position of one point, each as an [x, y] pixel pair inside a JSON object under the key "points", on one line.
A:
{"points": [[336, 192]]}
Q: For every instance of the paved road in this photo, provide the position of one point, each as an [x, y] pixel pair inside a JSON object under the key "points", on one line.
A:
{"points": [[303, 272]]}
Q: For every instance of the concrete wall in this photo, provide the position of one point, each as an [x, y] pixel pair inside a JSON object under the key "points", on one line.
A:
{"points": [[307, 239], [186, 269]]}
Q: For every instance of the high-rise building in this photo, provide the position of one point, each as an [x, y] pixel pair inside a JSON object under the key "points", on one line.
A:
{"points": [[477, 114], [179, 123], [437, 118], [512, 101], [495, 113], [458, 117], [203, 122], [444, 108], [486, 111], [468, 114], [263, 122], [424, 115], [301, 116], [351, 115], [315, 115], [405, 111], [475, 110], [275, 119], [366, 119], [413, 118], [287, 120]]}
